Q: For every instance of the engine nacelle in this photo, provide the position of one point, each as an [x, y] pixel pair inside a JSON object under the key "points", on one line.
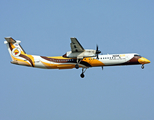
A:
{"points": [[86, 53]]}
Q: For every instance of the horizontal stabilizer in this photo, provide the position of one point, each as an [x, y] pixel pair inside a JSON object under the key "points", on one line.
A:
{"points": [[10, 40]]}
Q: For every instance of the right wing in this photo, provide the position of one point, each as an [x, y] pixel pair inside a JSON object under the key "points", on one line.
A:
{"points": [[76, 46]]}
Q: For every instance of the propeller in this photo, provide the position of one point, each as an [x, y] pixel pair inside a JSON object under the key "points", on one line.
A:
{"points": [[97, 51]]}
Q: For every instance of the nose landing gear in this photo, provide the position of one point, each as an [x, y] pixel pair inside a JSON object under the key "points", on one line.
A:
{"points": [[83, 71], [142, 66]]}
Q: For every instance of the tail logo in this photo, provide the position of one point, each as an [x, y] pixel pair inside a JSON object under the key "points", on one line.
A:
{"points": [[16, 52]]}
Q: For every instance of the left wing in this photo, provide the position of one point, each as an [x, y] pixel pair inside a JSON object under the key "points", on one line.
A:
{"points": [[76, 46]]}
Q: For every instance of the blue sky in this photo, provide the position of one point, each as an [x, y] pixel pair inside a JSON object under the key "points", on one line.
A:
{"points": [[45, 28]]}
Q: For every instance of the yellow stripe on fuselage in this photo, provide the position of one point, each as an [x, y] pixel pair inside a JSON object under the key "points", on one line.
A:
{"points": [[65, 66], [59, 62], [32, 58], [60, 57], [58, 66], [93, 62], [47, 65]]}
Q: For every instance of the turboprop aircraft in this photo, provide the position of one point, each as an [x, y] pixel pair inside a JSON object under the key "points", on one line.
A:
{"points": [[78, 57]]}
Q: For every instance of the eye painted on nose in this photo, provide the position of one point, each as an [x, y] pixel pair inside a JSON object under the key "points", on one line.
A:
{"points": [[143, 60]]}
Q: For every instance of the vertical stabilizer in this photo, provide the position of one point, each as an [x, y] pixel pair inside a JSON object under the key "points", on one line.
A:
{"points": [[17, 53], [14, 47]]}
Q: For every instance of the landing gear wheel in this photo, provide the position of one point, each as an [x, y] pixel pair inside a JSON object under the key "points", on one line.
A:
{"points": [[83, 71], [82, 75], [77, 66], [142, 66]]}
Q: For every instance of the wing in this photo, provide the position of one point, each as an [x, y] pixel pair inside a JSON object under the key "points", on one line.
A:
{"points": [[76, 46]]}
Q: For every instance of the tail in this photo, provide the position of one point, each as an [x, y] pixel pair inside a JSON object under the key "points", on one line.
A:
{"points": [[17, 53]]}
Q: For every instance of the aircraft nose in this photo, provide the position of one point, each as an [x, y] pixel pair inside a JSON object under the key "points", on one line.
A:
{"points": [[143, 60]]}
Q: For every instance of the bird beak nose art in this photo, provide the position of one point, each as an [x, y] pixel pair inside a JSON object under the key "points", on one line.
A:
{"points": [[143, 60]]}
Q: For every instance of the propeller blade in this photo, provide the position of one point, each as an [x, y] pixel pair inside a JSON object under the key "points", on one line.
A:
{"points": [[97, 51], [96, 47], [97, 56]]}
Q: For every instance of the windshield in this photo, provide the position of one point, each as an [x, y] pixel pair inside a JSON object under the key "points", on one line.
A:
{"points": [[137, 55]]}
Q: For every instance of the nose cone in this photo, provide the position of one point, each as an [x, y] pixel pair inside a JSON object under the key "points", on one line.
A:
{"points": [[143, 60]]}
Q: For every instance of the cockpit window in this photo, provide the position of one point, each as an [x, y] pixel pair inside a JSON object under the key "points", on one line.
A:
{"points": [[137, 55]]}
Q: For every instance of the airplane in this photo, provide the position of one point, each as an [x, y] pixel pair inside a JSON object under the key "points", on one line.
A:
{"points": [[78, 57]]}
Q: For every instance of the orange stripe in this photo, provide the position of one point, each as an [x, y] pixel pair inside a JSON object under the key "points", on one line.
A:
{"points": [[93, 62]]}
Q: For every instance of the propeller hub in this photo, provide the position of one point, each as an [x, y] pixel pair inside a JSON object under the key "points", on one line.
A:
{"points": [[98, 52]]}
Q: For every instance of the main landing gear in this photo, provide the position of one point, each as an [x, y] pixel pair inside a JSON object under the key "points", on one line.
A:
{"points": [[83, 71], [77, 66], [77, 63], [142, 66]]}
